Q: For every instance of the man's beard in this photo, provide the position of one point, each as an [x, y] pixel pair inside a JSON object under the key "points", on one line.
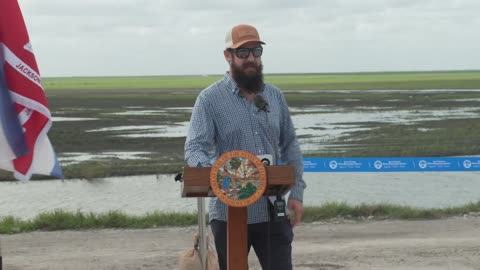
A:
{"points": [[252, 82]]}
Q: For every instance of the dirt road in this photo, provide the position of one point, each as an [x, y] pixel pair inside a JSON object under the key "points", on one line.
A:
{"points": [[452, 244]]}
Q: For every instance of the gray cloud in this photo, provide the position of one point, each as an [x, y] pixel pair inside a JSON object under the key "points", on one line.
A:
{"points": [[147, 37]]}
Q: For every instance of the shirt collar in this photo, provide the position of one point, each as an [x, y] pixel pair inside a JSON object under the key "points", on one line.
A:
{"points": [[233, 86]]}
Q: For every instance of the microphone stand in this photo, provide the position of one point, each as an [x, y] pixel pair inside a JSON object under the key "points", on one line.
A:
{"points": [[270, 139], [262, 105], [279, 204]]}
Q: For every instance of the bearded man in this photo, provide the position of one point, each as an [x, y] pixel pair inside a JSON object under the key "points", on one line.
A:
{"points": [[225, 118]]}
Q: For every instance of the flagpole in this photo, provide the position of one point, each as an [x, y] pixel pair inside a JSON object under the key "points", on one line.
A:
{"points": [[1, 263], [202, 232]]}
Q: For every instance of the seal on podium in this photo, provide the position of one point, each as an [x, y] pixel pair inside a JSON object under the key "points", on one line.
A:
{"points": [[238, 178]]}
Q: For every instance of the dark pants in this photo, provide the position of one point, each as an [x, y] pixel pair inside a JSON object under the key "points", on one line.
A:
{"points": [[274, 250]]}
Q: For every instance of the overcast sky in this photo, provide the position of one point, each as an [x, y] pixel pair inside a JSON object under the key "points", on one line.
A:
{"points": [[177, 37]]}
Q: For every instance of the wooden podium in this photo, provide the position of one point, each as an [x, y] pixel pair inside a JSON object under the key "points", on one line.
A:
{"points": [[196, 183]]}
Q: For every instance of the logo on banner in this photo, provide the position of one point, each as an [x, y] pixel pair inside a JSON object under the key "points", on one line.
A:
{"points": [[333, 164], [467, 164], [422, 164], [238, 178], [378, 164]]}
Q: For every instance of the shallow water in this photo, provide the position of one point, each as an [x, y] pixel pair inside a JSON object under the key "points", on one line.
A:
{"points": [[323, 124], [141, 194]]}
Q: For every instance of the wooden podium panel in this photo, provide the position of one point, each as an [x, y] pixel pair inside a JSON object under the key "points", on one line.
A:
{"points": [[196, 183], [237, 251], [279, 181]]}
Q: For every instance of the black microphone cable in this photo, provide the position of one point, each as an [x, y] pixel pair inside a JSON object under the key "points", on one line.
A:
{"points": [[262, 105]]}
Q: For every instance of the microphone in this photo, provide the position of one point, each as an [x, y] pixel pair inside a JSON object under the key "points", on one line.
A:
{"points": [[260, 102]]}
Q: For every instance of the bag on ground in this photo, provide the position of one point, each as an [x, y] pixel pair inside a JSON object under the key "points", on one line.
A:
{"points": [[190, 259]]}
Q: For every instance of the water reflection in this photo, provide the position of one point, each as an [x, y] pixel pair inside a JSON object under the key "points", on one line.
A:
{"points": [[71, 119], [148, 131], [70, 158]]}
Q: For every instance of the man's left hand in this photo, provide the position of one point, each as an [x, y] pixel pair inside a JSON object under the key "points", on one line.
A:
{"points": [[297, 207]]}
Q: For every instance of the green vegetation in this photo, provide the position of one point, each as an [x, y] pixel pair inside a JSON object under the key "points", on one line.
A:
{"points": [[106, 100], [383, 211], [140, 82], [64, 220], [383, 80], [117, 167], [319, 81]]}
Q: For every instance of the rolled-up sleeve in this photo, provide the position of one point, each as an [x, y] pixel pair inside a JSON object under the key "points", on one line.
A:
{"points": [[200, 135]]}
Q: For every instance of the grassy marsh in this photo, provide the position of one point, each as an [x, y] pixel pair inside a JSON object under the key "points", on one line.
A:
{"points": [[319, 81], [104, 99], [64, 220]]}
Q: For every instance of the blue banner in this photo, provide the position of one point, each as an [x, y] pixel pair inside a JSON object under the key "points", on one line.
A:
{"points": [[392, 164]]}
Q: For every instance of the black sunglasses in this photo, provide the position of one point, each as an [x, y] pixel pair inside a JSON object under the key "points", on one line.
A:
{"points": [[244, 53]]}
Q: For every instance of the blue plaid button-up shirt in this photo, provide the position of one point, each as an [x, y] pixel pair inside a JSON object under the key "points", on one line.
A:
{"points": [[224, 120]]}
